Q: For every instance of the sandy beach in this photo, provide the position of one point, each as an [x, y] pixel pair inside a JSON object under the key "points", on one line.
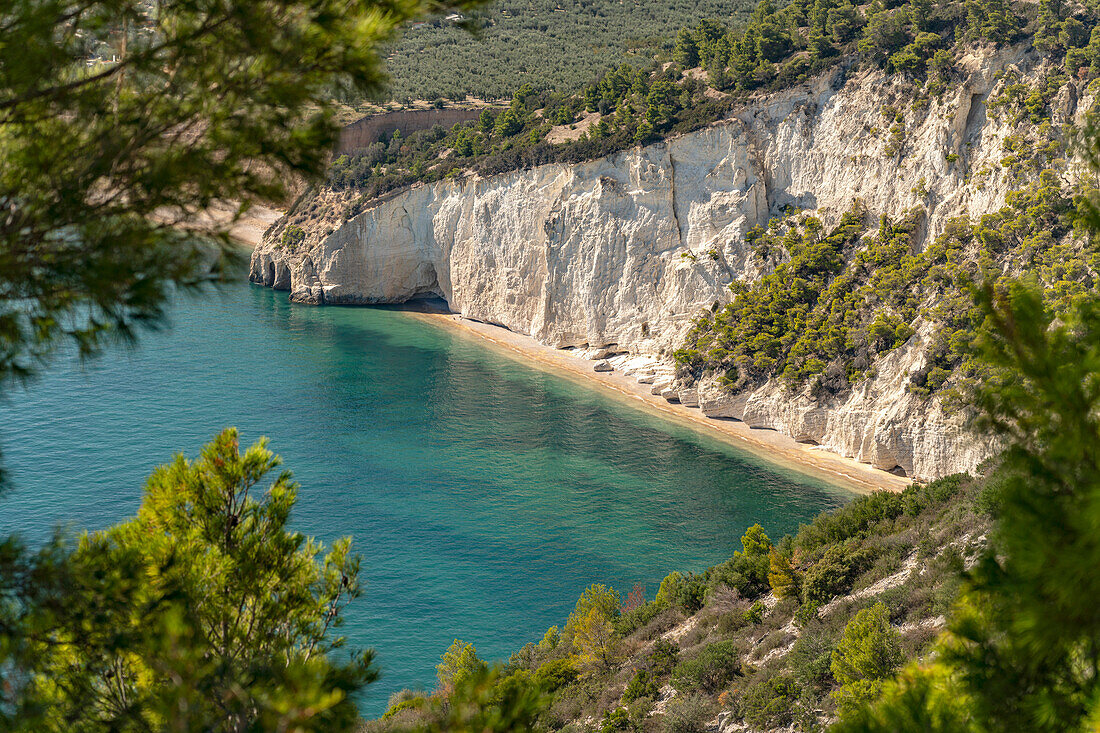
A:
{"points": [[770, 445]]}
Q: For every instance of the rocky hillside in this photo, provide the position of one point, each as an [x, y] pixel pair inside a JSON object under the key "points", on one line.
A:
{"points": [[627, 250], [775, 638]]}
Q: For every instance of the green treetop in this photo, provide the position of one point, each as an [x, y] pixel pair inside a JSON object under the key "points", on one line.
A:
{"points": [[205, 612], [121, 120]]}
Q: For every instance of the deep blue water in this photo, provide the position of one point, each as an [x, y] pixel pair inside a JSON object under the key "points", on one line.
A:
{"points": [[483, 493]]}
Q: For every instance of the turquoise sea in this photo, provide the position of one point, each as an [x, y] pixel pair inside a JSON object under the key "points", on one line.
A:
{"points": [[483, 493]]}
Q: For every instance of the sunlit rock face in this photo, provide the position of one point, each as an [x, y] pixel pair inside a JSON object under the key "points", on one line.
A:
{"points": [[629, 248]]}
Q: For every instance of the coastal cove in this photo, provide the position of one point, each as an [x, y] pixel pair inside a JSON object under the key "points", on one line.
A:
{"points": [[484, 493], [772, 446]]}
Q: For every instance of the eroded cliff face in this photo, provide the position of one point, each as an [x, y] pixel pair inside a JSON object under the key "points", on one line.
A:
{"points": [[625, 250]]}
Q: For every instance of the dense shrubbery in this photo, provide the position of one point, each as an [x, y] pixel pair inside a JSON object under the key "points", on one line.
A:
{"points": [[834, 572], [555, 44], [1022, 644], [869, 651], [613, 659], [774, 48], [851, 521], [711, 669], [815, 319], [769, 702]]}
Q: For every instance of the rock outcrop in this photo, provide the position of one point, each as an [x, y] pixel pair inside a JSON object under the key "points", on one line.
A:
{"points": [[627, 249]]}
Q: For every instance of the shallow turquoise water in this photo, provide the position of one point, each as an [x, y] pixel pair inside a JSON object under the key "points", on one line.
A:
{"points": [[483, 493]]}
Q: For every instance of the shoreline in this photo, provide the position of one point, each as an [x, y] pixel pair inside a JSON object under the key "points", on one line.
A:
{"points": [[768, 445]]}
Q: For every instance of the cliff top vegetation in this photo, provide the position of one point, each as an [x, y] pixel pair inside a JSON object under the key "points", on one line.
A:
{"points": [[550, 44], [711, 67]]}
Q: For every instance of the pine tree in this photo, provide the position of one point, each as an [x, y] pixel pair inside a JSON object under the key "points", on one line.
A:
{"points": [[869, 651], [106, 165], [686, 52], [205, 610], [781, 576], [458, 664]]}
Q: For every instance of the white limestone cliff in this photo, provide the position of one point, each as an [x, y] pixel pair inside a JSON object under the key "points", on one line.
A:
{"points": [[627, 249]]}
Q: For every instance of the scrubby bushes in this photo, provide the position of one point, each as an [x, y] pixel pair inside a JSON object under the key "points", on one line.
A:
{"points": [[851, 521], [747, 570], [834, 573], [818, 321], [685, 592], [648, 678], [769, 702], [635, 619], [869, 651], [710, 670], [739, 653], [688, 714]]}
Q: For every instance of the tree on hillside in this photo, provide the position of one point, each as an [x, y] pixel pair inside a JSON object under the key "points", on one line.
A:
{"points": [[205, 612], [1023, 646], [594, 641], [869, 651], [121, 120], [458, 664], [589, 628], [686, 53]]}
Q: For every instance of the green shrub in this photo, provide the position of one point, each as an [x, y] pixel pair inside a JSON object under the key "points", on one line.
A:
{"points": [[810, 659], [617, 719], [853, 520], [663, 658], [868, 652], [770, 702], [631, 621], [748, 569], [712, 669], [918, 497], [754, 614], [414, 703], [835, 572], [292, 235], [643, 684], [806, 613], [555, 674], [730, 623], [852, 697], [686, 592], [688, 714]]}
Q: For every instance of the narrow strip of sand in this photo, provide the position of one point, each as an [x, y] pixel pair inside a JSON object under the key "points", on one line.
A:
{"points": [[770, 445]]}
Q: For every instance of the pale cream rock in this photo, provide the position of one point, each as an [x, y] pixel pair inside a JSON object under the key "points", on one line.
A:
{"points": [[626, 250]]}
